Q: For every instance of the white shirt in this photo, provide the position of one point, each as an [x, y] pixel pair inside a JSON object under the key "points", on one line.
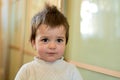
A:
{"points": [[41, 70]]}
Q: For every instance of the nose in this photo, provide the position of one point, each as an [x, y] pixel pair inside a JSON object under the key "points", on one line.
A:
{"points": [[52, 45]]}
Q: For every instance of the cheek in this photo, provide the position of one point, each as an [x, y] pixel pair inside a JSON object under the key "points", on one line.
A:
{"points": [[40, 49], [61, 49]]}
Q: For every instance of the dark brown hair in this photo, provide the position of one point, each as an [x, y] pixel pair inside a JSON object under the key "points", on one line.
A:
{"points": [[50, 16]]}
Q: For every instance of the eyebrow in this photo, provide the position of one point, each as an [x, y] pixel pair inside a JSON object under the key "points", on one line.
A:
{"points": [[61, 37], [48, 37]]}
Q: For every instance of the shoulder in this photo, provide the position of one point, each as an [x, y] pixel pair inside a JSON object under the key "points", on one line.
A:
{"points": [[27, 65], [24, 71], [73, 71], [70, 65], [25, 68]]}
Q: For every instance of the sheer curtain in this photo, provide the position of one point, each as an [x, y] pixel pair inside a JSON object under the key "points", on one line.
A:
{"points": [[15, 18], [4, 38]]}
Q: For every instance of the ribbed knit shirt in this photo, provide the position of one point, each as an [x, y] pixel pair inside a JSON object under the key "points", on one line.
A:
{"points": [[41, 70]]}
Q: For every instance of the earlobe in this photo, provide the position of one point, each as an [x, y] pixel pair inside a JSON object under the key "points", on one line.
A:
{"points": [[33, 44]]}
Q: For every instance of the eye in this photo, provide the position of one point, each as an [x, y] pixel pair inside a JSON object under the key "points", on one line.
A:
{"points": [[45, 40], [59, 40]]}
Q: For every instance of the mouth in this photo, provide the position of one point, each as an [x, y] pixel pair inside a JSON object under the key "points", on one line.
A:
{"points": [[51, 53]]}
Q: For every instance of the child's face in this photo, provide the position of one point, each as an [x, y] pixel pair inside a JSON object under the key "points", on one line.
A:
{"points": [[50, 42]]}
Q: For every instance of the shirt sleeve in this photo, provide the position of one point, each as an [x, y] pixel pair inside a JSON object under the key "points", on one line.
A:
{"points": [[22, 73], [76, 74]]}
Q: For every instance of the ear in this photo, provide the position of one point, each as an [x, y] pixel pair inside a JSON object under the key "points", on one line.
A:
{"points": [[34, 44]]}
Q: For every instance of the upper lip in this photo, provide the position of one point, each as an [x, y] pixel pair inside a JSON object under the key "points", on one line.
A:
{"points": [[51, 52]]}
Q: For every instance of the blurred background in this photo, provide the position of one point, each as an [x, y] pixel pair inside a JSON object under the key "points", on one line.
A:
{"points": [[94, 35]]}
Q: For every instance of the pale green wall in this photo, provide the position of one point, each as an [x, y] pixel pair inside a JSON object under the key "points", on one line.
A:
{"points": [[103, 48]]}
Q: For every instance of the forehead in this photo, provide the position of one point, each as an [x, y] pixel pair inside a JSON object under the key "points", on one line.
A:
{"points": [[45, 29]]}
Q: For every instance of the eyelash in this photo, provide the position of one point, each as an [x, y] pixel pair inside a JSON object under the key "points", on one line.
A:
{"points": [[46, 40], [59, 40]]}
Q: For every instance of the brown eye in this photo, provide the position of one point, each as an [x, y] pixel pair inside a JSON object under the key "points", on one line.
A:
{"points": [[59, 40], [45, 40]]}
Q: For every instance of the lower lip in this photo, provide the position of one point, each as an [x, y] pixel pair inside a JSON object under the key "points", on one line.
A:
{"points": [[50, 53]]}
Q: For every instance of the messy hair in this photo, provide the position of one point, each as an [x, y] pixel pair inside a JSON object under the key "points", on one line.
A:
{"points": [[50, 16]]}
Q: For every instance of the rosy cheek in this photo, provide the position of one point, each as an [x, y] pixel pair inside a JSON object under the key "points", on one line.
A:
{"points": [[62, 49], [41, 49]]}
